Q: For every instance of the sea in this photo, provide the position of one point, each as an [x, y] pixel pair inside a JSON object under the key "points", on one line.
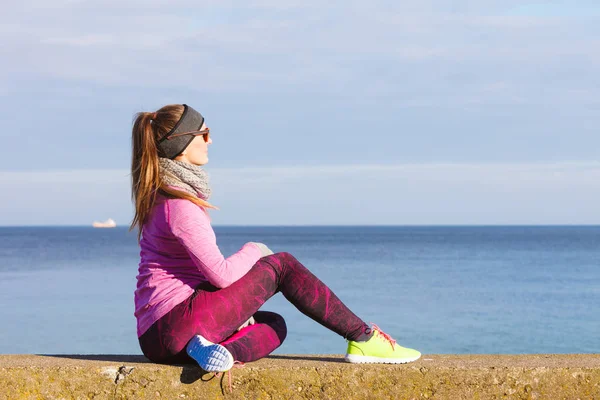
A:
{"points": [[439, 289]]}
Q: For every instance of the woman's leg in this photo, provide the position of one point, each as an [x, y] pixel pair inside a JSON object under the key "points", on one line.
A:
{"points": [[216, 315], [221, 312], [259, 340]]}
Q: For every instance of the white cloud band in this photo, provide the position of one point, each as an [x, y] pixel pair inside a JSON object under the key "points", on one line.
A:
{"points": [[550, 193]]}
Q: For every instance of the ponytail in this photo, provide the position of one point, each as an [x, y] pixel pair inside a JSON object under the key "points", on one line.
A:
{"points": [[145, 179]]}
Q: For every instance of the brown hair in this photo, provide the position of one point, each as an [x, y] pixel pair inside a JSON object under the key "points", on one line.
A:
{"points": [[146, 181]]}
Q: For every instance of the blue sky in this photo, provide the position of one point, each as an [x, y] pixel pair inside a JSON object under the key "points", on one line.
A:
{"points": [[424, 112]]}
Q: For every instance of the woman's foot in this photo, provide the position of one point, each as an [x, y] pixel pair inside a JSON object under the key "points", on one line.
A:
{"points": [[211, 357], [380, 348]]}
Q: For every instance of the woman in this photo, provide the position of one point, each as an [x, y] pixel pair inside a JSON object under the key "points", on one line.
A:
{"points": [[190, 300]]}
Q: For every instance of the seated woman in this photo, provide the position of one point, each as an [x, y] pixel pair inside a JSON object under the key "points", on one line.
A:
{"points": [[190, 301]]}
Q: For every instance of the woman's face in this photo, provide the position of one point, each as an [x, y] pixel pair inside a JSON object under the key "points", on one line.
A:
{"points": [[197, 151]]}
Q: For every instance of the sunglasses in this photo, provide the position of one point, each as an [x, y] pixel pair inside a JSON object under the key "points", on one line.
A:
{"points": [[204, 132]]}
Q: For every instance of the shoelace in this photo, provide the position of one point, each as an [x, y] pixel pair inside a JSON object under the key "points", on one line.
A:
{"points": [[384, 335], [236, 364]]}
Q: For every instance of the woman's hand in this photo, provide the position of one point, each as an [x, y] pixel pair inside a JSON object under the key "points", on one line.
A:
{"points": [[250, 321], [263, 249]]}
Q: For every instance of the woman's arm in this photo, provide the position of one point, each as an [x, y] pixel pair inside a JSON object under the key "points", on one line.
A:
{"points": [[191, 226]]}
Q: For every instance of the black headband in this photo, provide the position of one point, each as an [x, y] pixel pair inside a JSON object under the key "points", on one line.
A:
{"points": [[191, 120]]}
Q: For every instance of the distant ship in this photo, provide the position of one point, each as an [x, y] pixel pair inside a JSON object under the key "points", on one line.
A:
{"points": [[109, 223]]}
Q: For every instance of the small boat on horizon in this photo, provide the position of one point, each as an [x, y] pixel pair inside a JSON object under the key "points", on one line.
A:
{"points": [[109, 223]]}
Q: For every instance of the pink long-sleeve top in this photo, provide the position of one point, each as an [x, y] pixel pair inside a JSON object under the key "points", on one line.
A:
{"points": [[179, 252]]}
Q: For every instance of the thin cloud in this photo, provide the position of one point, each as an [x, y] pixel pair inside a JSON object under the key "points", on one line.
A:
{"points": [[85, 40], [316, 49], [547, 193], [428, 80]]}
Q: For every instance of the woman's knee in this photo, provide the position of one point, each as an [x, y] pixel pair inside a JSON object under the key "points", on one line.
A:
{"points": [[286, 256], [275, 321], [280, 327], [282, 265], [280, 259]]}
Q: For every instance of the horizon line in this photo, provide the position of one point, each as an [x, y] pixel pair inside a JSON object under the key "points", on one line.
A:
{"points": [[328, 225]]}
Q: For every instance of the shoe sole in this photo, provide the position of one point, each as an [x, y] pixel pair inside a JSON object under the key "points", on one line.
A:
{"points": [[357, 359], [212, 358]]}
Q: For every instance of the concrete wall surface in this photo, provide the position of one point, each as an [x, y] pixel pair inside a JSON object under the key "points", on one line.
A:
{"points": [[540, 376]]}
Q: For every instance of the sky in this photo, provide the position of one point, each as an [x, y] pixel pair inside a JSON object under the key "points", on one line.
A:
{"points": [[321, 113]]}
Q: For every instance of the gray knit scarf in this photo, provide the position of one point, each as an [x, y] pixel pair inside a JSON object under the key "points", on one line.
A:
{"points": [[191, 178]]}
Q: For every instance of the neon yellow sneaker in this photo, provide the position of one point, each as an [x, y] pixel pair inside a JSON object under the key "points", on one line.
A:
{"points": [[381, 348]]}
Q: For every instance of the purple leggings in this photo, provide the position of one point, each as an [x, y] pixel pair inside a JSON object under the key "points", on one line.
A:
{"points": [[216, 314]]}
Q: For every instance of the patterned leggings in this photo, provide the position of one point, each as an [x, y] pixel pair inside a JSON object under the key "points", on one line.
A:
{"points": [[216, 314]]}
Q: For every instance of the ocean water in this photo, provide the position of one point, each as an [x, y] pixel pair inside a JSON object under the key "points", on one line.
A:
{"points": [[512, 290]]}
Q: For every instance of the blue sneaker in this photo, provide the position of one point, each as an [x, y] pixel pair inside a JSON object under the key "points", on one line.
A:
{"points": [[211, 357]]}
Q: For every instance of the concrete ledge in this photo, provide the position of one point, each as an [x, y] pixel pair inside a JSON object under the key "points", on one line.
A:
{"points": [[304, 377]]}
